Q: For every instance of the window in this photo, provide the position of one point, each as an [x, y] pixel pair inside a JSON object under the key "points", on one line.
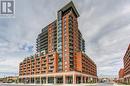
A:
{"points": [[65, 26], [65, 62], [60, 63], [64, 23], [65, 54], [65, 18]]}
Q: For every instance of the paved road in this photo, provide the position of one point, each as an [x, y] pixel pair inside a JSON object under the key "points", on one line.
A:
{"points": [[98, 84]]}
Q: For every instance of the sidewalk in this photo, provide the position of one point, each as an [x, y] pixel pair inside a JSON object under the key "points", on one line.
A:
{"points": [[115, 84]]}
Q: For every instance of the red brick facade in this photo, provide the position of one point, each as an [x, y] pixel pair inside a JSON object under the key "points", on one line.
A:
{"points": [[39, 64], [121, 73], [84, 64]]}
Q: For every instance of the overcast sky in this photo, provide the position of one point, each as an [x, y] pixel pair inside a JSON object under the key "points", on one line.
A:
{"points": [[105, 25]]}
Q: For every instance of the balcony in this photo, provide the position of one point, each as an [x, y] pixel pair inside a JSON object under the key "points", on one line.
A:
{"points": [[44, 65], [45, 43], [51, 61], [50, 55], [51, 64], [55, 33], [37, 59], [71, 35], [43, 38], [44, 58], [71, 59], [44, 34], [44, 46], [44, 68], [71, 66], [70, 47], [50, 71], [38, 66], [43, 71]]}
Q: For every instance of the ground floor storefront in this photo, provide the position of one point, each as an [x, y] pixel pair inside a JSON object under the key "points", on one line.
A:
{"points": [[120, 80], [127, 79], [58, 78]]}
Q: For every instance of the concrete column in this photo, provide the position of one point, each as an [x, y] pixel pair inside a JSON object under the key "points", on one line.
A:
{"points": [[64, 79], [34, 80], [128, 80], [74, 79], [85, 79], [96, 80], [124, 80], [88, 79], [40, 81], [54, 80], [30, 80], [21, 81], [25, 80], [81, 79], [93, 80], [46, 79]]}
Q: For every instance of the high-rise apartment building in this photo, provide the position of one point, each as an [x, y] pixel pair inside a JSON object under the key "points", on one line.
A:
{"points": [[127, 66], [60, 56]]}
